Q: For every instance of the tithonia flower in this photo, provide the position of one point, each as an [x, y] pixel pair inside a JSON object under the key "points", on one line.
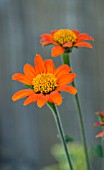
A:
{"points": [[44, 82], [100, 123], [64, 40]]}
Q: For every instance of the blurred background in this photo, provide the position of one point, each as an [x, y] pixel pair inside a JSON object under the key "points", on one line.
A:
{"points": [[27, 134]]}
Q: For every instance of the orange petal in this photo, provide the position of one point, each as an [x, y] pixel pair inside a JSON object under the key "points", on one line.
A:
{"points": [[21, 78], [39, 64], [57, 50], [21, 94], [61, 70], [45, 37], [76, 32], [66, 79], [83, 44], [49, 64], [69, 89], [84, 36], [68, 44], [101, 134], [32, 98], [29, 71], [44, 43], [56, 98], [42, 100]]}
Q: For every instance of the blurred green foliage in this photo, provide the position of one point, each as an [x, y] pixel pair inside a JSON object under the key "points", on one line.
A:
{"points": [[76, 153], [98, 151]]}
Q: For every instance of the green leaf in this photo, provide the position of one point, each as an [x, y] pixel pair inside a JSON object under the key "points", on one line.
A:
{"points": [[100, 117], [98, 150], [68, 139]]}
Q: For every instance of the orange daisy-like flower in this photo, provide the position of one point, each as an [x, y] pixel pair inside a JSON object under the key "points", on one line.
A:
{"points": [[44, 82], [64, 40]]}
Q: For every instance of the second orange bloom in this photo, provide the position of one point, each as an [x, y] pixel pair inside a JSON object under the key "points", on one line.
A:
{"points": [[64, 40]]}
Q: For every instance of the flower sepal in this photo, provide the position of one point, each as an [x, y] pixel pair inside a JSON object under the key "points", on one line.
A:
{"points": [[69, 50], [30, 87]]}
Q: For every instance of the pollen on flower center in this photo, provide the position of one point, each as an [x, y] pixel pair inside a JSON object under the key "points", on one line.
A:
{"points": [[63, 36], [44, 83]]}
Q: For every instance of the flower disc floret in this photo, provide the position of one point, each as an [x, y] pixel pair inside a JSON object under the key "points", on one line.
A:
{"points": [[44, 83], [64, 36]]}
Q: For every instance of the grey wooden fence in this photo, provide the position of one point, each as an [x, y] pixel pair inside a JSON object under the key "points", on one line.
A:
{"points": [[28, 133]]}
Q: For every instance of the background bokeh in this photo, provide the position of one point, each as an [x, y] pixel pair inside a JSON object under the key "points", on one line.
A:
{"points": [[28, 133]]}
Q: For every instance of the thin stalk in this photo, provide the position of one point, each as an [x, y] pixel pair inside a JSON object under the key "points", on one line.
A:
{"points": [[61, 131], [66, 60], [103, 153]]}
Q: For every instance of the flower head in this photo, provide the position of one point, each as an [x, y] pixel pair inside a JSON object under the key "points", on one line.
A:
{"points": [[44, 82], [64, 40], [100, 123], [101, 119]]}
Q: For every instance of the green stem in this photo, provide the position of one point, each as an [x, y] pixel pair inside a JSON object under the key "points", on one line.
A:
{"points": [[103, 153], [60, 130], [66, 60]]}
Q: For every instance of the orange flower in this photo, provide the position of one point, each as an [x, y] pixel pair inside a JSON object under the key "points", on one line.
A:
{"points": [[101, 119], [64, 40], [44, 82]]}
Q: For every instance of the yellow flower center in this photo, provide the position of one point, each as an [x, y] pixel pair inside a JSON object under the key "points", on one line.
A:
{"points": [[44, 83], [63, 36]]}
